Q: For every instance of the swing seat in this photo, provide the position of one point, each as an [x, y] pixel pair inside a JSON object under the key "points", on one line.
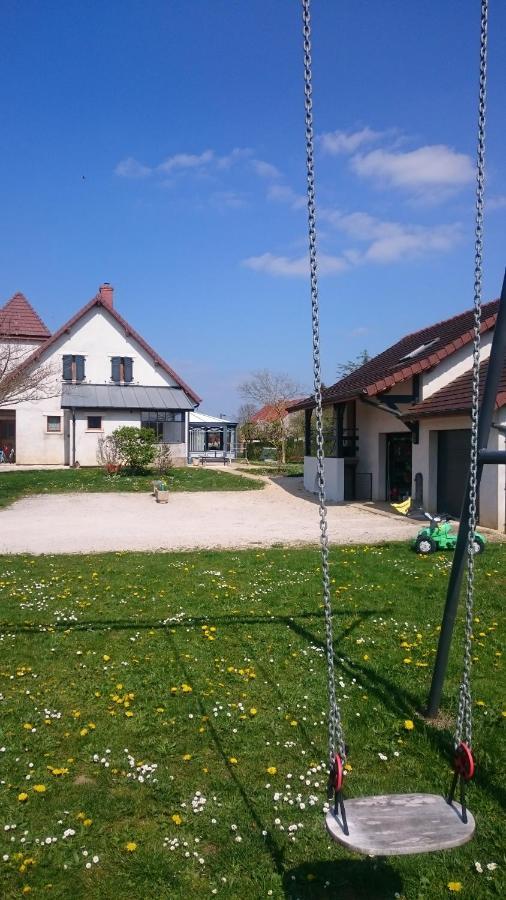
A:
{"points": [[397, 824]]}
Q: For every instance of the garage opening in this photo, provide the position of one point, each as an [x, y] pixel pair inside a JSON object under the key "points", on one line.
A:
{"points": [[453, 454]]}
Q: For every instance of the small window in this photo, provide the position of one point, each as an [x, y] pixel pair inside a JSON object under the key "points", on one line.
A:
{"points": [[122, 369], [53, 423], [94, 423], [73, 367]]}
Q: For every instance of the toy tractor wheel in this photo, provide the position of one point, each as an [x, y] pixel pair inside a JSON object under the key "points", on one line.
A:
{"points": [[425, 545], [478, 545]]}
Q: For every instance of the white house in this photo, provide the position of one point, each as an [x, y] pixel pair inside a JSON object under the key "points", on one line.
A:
{"points": [[104, 375], [401, 423]]}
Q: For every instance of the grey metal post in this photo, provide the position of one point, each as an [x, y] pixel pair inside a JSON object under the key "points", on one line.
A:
{"points": [[495, 367]]}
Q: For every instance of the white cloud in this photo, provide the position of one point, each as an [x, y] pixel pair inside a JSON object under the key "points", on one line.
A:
{"points": [[265, 169], [181, 161], [497, 202], [391, 241], [432, 166], [235, 156], [284, 194], [296, 266], [130, 168], [336, 142]]}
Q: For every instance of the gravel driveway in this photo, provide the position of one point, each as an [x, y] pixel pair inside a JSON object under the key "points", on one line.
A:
{"points": [[280, 514]]}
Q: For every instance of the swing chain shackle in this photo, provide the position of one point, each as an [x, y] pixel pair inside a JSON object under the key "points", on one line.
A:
{"points": [[463, 729], [336, 736]]}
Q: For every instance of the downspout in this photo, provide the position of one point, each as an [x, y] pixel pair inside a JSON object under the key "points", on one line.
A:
{"points": [[73, 437]]}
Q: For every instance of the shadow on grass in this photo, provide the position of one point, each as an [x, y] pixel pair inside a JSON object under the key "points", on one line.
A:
{"points": [[350, 879], [393, 697]]}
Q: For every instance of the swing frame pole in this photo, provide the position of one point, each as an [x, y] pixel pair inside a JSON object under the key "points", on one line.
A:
{"points": [[494, 371]]}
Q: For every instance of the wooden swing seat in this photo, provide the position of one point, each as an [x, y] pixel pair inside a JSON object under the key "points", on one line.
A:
{"points": [[397, 824]]}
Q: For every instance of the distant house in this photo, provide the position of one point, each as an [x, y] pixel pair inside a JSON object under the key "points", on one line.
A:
{"points": [[401, 423], [106, 375], [270, 413]]}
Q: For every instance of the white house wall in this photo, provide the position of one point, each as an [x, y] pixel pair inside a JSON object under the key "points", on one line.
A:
{"points": [[453, 367], [97, 337], [373, 426]]}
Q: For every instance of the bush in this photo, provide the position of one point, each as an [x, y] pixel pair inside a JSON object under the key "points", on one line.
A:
{"points": [[162, 459], [136, 447], [108, 455]]}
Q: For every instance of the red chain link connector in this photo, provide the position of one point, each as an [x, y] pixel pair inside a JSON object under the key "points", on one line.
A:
{"points": [[463, 762], [338, 773]]}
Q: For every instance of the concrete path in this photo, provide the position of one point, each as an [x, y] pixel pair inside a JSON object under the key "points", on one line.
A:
{"points": [[280, 514]]}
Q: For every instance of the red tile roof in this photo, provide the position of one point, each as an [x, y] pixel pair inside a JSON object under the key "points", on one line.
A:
{"points": [[455, 397], [18, 319], [99, 302], [391, 367], [269, 413]]}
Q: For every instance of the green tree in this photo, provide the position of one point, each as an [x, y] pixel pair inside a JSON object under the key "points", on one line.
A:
{"points": [[352, 365]]}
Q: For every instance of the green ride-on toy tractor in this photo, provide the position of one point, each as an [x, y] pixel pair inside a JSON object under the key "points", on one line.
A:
{"points": [[439, 535]]}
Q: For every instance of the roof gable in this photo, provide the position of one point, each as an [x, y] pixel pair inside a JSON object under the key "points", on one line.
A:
{"points": [[456, 397], [413, 354], [18, 320], [99, 303]]}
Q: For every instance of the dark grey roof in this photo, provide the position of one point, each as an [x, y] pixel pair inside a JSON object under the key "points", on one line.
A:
{"points": [[118, 396]]}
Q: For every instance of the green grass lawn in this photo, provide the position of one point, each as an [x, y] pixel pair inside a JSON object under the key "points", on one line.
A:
{"points": [[57, 481], [145, 697], [262, 468]]}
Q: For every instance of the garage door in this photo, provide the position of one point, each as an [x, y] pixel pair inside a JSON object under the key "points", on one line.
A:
{"points": [[453, 452]]}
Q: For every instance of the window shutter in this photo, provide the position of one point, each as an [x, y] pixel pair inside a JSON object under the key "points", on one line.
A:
{"points": [[79, 368], [128, 368], [115, 368], [67, 368]]}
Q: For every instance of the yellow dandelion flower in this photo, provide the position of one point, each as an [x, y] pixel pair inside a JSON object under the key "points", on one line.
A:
{"points": [[87, 822], [252, 711], [39, 788], [187, 756], [408, 724], [22, 797], [83, 732], [27, 889], [271, 770], [106, 657], [176, 818], [455, 886], [407, 660], [28, 726], [186, 689], [129, 714], [232, 760], [130, 846]]}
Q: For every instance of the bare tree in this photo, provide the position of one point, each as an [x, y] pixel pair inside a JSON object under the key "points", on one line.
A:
{"points": [[273, 391], [20, 382], [247, 428]]}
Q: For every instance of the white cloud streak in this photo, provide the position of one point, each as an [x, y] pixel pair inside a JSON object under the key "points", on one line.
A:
{"points": [[281, 193], [497, 202], [297, 267], [265, 169], [335, 143], [432, 166], [130, 168]]}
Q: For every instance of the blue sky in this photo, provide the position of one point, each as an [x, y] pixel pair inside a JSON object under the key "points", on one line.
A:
{"points": [[186, 119]]}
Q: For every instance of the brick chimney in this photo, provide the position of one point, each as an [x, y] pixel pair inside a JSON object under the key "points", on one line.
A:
{"points": [[105, 292]]}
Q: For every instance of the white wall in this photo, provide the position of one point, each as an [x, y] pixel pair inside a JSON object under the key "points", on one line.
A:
{"points": [[453, 367], [333, 469], [373, 426]]}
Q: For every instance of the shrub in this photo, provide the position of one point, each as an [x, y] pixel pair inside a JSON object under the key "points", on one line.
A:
{"points": [[163, 459], [136, 447], [108, 455]]}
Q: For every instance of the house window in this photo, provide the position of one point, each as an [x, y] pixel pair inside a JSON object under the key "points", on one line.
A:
{"points": [[53, 423], [168, 426], [94, 423], [73, 367], [122, 369]]}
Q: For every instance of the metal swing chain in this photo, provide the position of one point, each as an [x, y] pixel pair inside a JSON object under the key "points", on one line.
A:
{"points": [[463, 730], [336, 736]]}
